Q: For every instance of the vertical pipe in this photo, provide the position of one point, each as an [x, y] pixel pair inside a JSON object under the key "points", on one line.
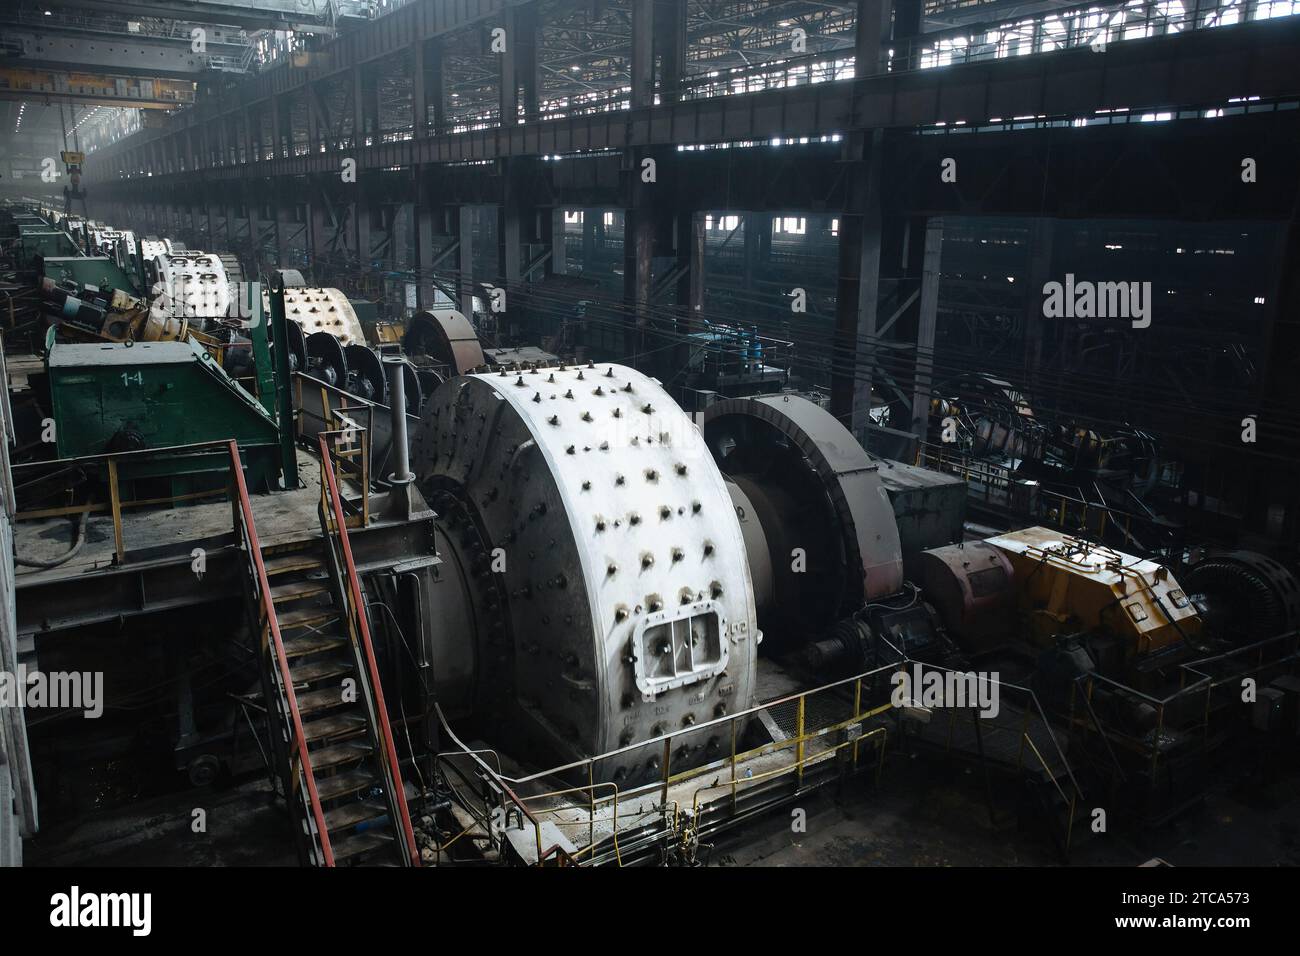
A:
{"points": [[257, 329], [283, 384], [397, 405]]}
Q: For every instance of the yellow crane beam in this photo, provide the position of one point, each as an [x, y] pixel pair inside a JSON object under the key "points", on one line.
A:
{"points": [[94, 89]]}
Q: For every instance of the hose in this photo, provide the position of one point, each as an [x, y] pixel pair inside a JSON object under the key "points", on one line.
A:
{"points": [[67, 555]]}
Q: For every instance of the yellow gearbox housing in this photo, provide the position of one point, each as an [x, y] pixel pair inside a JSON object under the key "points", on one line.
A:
{"points": [[1067, 584]]}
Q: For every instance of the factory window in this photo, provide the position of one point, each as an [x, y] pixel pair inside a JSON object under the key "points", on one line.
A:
{"points": [[573, 216], [791, 224], [609, 219], [1277, 8], [835, 227], [945, 52]]}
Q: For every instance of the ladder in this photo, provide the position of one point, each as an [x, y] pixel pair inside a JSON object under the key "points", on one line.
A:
{"points": [[330, 735]]}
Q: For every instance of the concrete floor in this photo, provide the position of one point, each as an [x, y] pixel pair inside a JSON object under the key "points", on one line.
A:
{"points": [[243, 828], [925, 813]]}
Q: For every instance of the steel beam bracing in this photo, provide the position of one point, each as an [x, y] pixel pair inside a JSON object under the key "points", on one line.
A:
{"points": [[1199, 69]]}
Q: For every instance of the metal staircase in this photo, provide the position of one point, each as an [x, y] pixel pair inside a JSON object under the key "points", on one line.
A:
{"points": [[330, 735]]}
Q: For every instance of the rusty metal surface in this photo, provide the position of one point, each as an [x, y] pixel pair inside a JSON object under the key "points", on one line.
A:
{"points": [[453, 336], [972, 587], [865, 516]]}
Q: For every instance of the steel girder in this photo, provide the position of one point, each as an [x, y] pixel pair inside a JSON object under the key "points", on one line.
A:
{"points": [[1200, 69]]}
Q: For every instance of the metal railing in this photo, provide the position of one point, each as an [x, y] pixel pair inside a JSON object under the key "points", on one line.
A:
{"points": [[26, 298], [1190, 709], [995, 740], [774, 74], [19, 811], [826, 729], [678, 810], [275, 677], [997, 487], [348, 586], [350, 439], [43, 471]]}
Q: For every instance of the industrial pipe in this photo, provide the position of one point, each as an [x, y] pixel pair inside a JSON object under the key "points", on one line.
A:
{"points": [[397, 406]]}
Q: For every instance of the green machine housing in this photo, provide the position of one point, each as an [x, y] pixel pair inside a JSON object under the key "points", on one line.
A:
{"points": [[36, 243], [98, 272], [366, 310], [117, 397]]}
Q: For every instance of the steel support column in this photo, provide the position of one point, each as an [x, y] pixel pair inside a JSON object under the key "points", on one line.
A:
{"points": [[464, 221], [689, 248], [245, 136], [927, 321], [361, 107], [873, 24], [643, 62], [424, 244], [361, 229], [435, 93], [212, 228], [670, 47], [281, 234], [254, 234], [858, 287], [419, 89], [520, 66], [278, 109], [552, 228], [232, 227], [758, 246], [315, 121], [510, 220], [318, 220], [589, 222], [638, 259], [1039, 271]]}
